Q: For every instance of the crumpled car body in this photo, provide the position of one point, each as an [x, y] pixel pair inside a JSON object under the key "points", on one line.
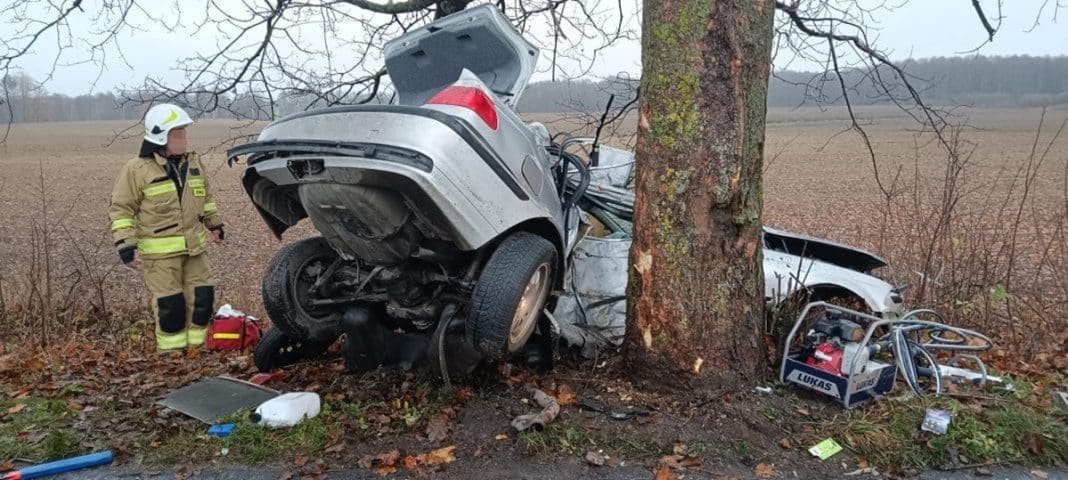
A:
{"points": [[594, 308]]}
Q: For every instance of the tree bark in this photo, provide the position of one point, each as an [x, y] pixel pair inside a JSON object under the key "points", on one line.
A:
{"points": [[696, 288]]}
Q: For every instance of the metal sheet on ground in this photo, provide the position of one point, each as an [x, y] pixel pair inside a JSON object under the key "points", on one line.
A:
{"points": [[210, 400]]}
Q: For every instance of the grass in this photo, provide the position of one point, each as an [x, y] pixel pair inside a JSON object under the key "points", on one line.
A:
{"points": [[571, 439], [1003, 430], [251, 444], [255, 444], [248, 443], [50, 417]]}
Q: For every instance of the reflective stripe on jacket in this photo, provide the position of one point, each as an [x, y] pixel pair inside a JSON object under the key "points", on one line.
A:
{"points": [[148, 210]]}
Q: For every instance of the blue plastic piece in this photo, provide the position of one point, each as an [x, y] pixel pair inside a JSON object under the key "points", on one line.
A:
{"points": [[222, 430], [62, 466]]}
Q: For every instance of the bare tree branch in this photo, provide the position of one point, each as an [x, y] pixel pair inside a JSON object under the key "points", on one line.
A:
{"points": [[990, 30]]}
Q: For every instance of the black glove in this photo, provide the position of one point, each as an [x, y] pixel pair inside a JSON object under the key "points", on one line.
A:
{"points": [[219, 229], [127, 254]]}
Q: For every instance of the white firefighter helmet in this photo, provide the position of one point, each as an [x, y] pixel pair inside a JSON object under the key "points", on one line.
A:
{"points": [[163, 118]]}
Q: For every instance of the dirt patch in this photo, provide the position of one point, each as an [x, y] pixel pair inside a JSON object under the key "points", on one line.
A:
{"points": [[105, 398]]}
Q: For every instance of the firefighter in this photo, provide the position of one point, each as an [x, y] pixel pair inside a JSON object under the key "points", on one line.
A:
{"points": [[162, 214]]}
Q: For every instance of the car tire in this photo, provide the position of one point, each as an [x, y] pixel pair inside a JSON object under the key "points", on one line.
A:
{"points": [[285, 299], [277, 350], [511, 292]]}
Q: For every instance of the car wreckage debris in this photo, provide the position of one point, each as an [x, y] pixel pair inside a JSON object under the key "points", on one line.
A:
{"points": [[550, 408], [592, 405], [492, 221]]}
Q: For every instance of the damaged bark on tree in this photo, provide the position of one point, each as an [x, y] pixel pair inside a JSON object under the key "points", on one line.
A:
{"points": [[696, 282]]}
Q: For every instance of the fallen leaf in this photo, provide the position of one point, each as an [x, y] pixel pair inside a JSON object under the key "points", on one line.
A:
{"points": [[664, 474], [300, 461], [183, 473], [766, 471], [565, 396], [804, 411], [595, 457], [335, 448], [440, 456], [680, 462], [34, 364], [863, 463], [1039, 473], [501, 436], [8, 363], [384, 463], [380, 419], [437, 428], [32, 437], [410, 462], [464, 394], [16, 409], [785, 443], [1035, 444]]}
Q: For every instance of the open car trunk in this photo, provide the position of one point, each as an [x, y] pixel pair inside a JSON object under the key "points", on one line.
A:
{"points": [[480, 39]]}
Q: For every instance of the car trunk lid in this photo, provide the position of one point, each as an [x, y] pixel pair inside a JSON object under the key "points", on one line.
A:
{"points": [[480, 39]]}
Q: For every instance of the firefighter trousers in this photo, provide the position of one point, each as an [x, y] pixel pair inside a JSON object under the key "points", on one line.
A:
{"points": [[183, 299]]}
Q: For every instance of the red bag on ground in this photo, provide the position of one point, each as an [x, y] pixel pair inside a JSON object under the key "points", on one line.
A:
{"points": [[232, 330]]}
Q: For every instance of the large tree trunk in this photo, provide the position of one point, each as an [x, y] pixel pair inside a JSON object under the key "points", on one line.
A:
{"points": [[696, 286]]}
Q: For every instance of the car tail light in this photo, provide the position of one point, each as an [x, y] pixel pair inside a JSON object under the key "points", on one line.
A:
{"points": [[471, 98]]}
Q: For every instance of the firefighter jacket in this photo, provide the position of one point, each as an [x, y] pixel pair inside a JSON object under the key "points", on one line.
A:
{"points": [[163, 208]]}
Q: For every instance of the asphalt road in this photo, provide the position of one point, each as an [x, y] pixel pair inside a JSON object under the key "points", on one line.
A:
{"points": [[489, 470]]}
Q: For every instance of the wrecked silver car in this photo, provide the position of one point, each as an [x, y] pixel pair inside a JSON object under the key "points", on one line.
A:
{"points": [[591, 313], [449, 225], [443, 215]]}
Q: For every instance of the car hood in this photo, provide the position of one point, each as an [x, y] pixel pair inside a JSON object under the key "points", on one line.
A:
{"points": [[821, 249]]}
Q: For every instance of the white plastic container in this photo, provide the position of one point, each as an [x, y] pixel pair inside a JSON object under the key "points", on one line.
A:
{"points": [[286, 410]]}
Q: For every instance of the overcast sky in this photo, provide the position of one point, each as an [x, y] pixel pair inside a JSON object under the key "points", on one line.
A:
{"points": [[920, 28]]}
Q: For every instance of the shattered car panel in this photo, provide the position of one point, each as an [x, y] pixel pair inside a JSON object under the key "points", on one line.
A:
{"points": [[785, 273], [821, 249], [593, 310]]}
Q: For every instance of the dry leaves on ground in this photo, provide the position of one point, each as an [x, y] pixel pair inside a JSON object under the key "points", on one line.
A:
{"points": [[764, 470], [680, 462], [664, 473], [438, 427], [389, 462], [564, 395]]}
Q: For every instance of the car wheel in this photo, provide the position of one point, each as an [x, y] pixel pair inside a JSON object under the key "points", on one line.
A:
{"points": [[277, 350], [287, 296], [510, 294]]}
